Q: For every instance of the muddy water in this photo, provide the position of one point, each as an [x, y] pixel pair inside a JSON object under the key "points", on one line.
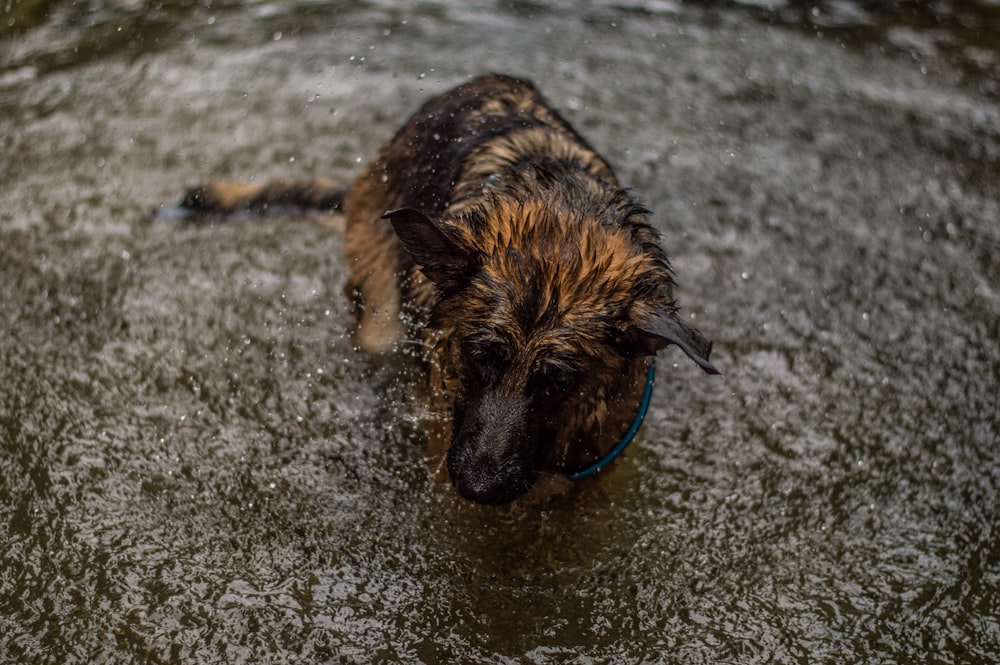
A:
{"points": [[195, 465]]}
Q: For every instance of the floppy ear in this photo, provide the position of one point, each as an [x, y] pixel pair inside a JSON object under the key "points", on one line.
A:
{"points": [[440, 259], [659, 329]]}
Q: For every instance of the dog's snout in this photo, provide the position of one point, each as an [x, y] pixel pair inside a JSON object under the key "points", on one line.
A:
{"points": [[482, 484], [490, 460], [487, 473]]}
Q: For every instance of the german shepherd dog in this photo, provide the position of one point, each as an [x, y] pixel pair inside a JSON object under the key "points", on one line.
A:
{"points": [[491, 232]]}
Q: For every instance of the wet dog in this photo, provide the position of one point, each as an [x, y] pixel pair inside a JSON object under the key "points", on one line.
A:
{"points": [[492, 232]]}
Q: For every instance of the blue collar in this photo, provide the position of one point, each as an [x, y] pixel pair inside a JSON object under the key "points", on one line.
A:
{"points": [[629, 435]]}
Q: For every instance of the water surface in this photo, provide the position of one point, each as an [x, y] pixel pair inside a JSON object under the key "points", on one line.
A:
{"points": [[196, 466]]}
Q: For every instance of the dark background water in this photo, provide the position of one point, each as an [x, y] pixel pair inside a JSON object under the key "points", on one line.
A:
{"points": [[195, 465]]}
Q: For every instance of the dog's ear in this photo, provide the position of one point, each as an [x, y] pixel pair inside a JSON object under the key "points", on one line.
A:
{"points": [[657, 329], [440, 259]]}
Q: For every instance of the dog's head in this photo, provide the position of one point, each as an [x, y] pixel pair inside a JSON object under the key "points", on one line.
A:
{"points": [[547, 316]]}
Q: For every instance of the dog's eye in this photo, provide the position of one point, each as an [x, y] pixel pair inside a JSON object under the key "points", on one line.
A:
{"points": [[485, 359], [554, 379]]}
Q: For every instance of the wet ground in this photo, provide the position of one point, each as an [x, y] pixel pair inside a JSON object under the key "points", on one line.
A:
{"points": [[196, 467]]}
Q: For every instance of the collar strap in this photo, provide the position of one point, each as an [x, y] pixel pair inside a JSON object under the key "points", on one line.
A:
{"points": [[629, 435]]}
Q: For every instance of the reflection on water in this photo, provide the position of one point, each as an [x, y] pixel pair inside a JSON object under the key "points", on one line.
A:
{"points": [[195, 465]]}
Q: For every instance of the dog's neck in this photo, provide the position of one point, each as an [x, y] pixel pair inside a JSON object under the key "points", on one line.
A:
{"points": [[628, 436]]}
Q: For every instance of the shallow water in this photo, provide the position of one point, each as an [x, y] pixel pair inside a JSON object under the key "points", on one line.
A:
{"points": [[197, 467]]}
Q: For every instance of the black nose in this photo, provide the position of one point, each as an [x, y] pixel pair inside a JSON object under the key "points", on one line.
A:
{"points": [[485, 478], [492, 458], [482, 486]]}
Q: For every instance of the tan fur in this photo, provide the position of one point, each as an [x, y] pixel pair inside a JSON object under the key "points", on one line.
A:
{"points": [[374, 258]]}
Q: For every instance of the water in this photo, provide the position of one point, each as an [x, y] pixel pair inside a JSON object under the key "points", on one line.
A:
{"points": [[197, 467]]}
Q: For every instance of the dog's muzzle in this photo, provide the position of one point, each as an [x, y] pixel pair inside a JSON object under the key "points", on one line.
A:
{"points": [[491, 459]]}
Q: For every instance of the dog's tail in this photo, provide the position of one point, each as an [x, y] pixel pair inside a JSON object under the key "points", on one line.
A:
{"points": [[275, 197]]}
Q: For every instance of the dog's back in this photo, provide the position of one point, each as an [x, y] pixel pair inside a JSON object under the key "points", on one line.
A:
{"points": [[447, 155]]}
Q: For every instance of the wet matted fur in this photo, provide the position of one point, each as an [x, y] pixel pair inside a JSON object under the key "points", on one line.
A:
{"points": [[490, 231]]}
